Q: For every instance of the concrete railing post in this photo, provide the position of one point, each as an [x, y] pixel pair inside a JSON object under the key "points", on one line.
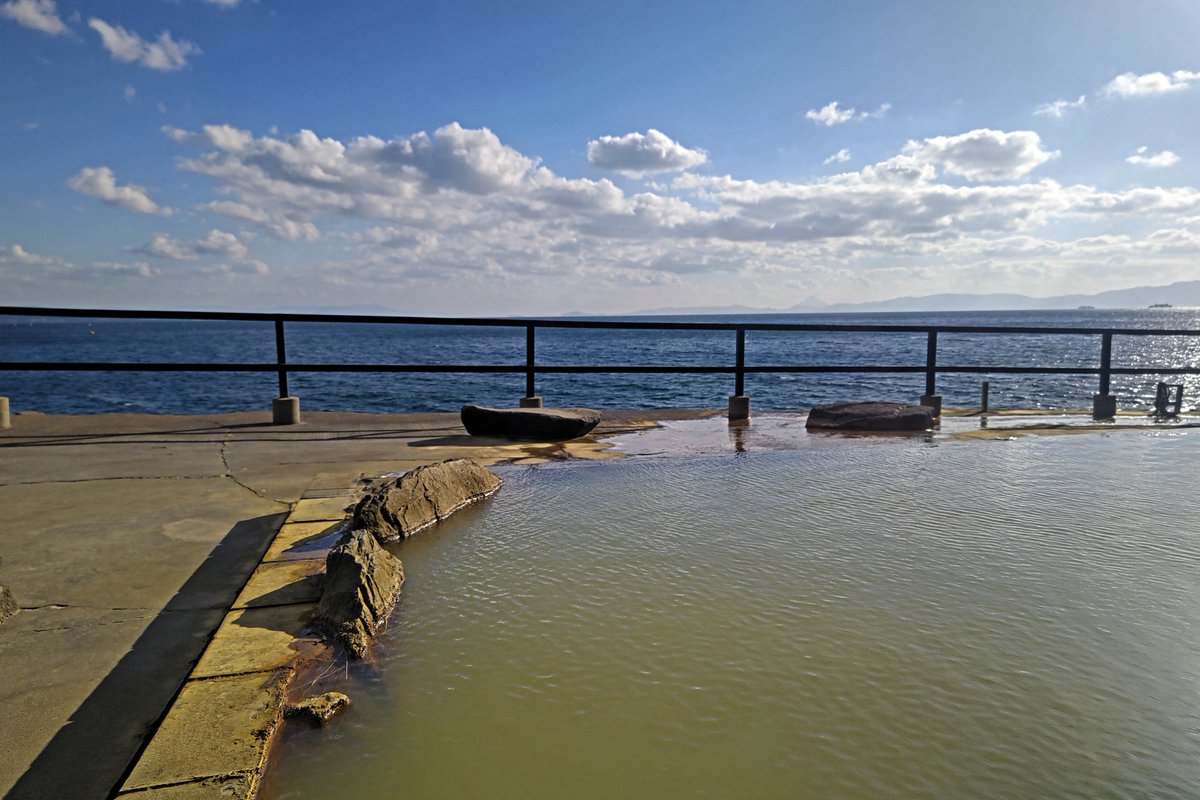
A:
{"points": [[531, 402], [5, 420], [739, 407], [285, 411]]}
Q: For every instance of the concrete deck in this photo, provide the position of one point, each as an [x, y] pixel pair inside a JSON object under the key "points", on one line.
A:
{"points": [[126, 541]]}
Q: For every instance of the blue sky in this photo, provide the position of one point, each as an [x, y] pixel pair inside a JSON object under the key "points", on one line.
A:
{"points": [[534, 158]]}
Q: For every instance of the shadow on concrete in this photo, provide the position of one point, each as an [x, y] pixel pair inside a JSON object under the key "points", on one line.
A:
{"points": [[466, 440], [90, 756]]}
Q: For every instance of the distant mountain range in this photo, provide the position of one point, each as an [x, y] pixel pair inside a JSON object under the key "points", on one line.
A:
{"points": [[1182, 293]]}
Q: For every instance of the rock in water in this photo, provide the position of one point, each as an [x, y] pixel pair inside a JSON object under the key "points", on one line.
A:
{"points": [[870, 417], [417, 499], [362, 582], [8, 606], [542, 424], [320, 709]]}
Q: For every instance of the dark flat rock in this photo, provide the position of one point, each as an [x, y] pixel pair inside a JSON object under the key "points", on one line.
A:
{"points": [[870, 417], [543, 424]]}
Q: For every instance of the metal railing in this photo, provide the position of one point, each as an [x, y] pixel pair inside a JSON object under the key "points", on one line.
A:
{"points": [[739, 369]]}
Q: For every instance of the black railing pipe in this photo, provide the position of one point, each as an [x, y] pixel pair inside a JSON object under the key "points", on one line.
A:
{"points": [[931, 364], [530, 361], [281, 358], [740, 380], [1105, 361]]}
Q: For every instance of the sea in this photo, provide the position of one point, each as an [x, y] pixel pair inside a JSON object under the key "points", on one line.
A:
{"points": [[64, 339]]}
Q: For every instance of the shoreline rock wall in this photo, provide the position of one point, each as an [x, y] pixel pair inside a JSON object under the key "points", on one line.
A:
{"points": [[398, 508], [362, 579]]}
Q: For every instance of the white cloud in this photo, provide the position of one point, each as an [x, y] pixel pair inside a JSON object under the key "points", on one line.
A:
{"points": [[224, 3], [164, 54], [41, 15], [1059, 108], [458, 207], [1143, 158], [638, 154], [178, 135], [1130, 84], [15, 254], [102, 183], [215, 242], [840, 157], [129, 94], [830, 115], [984, 154]]}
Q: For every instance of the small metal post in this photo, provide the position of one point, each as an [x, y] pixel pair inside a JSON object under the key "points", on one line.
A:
{"points": [[983, 397], [1104, 404], [1105, 363], [285, 409], [931, 364], [530, 400], [931, 399], [739, 403], [281, 357], [740, 382]]}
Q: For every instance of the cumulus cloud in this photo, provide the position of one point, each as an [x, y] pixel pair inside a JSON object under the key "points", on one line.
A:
{"points": [[638, 154], [459, 207], [129, 93], [15, 254], [1143, 158], [223, 3], [215, 242], [840, 157], [40, 15], [1130, 84], [984, 154], [1059, 108], [164, 54], [100, 182], [830, 115]]}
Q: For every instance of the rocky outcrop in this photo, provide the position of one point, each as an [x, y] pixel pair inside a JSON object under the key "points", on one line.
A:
{"points": [[362, 582], [398, 508], [318, 710], [8, 606], [542, 424], [870, 417]]}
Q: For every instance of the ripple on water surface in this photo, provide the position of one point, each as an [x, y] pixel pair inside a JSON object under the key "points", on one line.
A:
{"points": [[988, 619]]}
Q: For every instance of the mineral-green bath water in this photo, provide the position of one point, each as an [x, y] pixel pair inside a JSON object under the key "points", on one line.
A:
{"points": [[854, 619]]}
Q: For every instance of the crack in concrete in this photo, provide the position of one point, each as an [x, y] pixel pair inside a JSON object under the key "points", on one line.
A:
{"points": [[229, 474], [119, 478]]}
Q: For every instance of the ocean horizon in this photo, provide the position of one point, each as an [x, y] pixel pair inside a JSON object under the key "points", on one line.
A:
{"points": [[43, 339]]}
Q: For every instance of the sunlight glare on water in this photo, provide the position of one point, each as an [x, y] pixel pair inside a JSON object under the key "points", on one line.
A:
{"points": [[856, 619]]}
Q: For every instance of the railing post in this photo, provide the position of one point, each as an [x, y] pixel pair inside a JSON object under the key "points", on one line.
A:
{"points": [[931, 398], [530, 400], [1104, 403], [5, 419], [739, 403], [285, 409]]}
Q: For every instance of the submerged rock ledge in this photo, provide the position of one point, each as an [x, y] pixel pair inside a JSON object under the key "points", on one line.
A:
{"points": [[873, 416]]}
